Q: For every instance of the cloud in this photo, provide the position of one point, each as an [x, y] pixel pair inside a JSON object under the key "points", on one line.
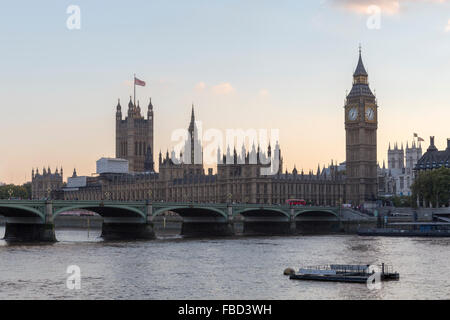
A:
{"points": [[223, 88], [447, 28], [219, 89], [263, 93], [386, 6], [200, 86], [128, 83]]}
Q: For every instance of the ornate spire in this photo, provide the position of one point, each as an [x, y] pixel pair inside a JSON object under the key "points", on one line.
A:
{"points": [[138, 109], [192, 123], [148, 163], [150, 105], [130, 104], [360, 70]]}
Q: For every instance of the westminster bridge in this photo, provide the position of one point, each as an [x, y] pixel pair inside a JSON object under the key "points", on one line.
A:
{"points": [[33, 221]]}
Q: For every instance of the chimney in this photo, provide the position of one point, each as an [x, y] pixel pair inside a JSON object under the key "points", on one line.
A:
{"points": [[432, 147]]}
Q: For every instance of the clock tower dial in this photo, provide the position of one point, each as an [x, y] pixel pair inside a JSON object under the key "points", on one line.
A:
{"points": [[361, 123], [370, 113], [352, 113]]}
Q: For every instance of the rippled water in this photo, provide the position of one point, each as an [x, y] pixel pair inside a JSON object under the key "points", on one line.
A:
{"points": [[228, 268]]}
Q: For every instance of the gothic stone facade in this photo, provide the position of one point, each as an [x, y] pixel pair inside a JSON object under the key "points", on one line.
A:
{"points": [[239, 178], [361, 122], [134, 137], [399, 175], [46, 184]]}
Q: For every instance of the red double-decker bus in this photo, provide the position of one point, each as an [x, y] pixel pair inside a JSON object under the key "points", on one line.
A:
{"points": [[296, 202]]}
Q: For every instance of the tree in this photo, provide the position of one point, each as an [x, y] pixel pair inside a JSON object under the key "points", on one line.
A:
{"points": [[402, 201], [14, 191], [432, 186]]}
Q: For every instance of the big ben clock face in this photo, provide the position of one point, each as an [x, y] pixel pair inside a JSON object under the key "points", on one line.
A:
{"points": [[370, 114], [353, 114]]}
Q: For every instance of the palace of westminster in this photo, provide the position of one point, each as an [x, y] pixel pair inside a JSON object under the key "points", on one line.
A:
{"points": [[240, 177]]}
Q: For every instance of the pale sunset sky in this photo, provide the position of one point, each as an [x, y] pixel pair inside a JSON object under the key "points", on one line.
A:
{"points": [[243, 63]]}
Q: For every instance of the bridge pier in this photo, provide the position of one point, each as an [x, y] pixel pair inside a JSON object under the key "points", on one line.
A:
{"points": [[128, 231], [208, 226], [129, 228], [292, 223], [207, 229], [318, 227], [31, 229], [272, 228], [29, 232]]}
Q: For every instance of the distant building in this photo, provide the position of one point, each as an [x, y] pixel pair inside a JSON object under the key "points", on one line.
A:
{"points": [[42, 185], [398, 177], [361, 123], [134, 137], [433, 158], [250, 175], [112, 165], [182, 178]]}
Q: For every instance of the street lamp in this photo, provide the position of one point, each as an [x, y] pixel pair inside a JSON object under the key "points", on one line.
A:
{"points": [[150, 194], [48, 192], [108, 195], [10, 192]]}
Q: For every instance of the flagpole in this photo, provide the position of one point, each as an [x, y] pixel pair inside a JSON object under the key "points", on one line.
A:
{"points": [[134, 82]]}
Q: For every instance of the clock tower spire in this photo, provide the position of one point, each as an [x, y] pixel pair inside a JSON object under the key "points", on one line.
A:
{"points": [[361, 123]]}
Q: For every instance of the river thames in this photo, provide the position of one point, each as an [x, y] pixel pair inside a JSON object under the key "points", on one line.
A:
{"points": [[226, 268]]}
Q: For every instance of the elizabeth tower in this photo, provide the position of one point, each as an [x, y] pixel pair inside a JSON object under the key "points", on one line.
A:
{"points": [[361, 123]]}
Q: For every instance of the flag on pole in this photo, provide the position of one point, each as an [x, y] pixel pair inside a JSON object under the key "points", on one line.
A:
{"points": [[415, 135], [420, 139], [139, 82]]}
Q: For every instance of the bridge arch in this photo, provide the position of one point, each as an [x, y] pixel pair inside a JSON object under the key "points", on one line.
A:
{"points": [[318, 212], [259, 210], [17, 210], [104, 210], [180, 209]]}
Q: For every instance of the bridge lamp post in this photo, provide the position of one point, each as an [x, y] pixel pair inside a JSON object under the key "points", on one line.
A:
{"points": [[229, 196], [150, 195], [10, 192], [48, 193], [107, 195]]}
